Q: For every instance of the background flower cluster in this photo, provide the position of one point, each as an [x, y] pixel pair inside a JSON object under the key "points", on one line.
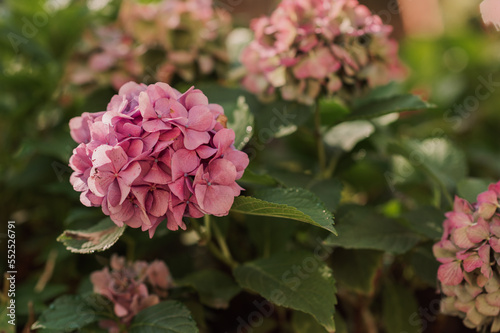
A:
{"points": [[307, 48]]}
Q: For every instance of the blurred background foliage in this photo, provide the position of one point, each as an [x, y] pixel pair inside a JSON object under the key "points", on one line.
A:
{"points": [[38, 38]]}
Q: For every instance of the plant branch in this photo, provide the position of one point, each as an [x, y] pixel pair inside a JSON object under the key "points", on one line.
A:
{"points": [[222, 252], [320, 146]]}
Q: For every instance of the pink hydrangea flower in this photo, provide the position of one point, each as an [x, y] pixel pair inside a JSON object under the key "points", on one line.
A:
{"points": [[469, 253], [309, 47], [156, 41], [126, 286], [156, 154]]}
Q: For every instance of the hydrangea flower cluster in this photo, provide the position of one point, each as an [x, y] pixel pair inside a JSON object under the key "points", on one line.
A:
{"points": [[469, 253], [126, 286], [308, 47], [154, 154], [155, 42]]}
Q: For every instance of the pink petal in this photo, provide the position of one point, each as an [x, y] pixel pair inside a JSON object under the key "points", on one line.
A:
{"points": [[140, 192], [495, 244], [205, 151], [222, 172], [146, 107], [162, 107], [459, 237], [99, 182], [239, 159], [130, 174], [193, 139], [184, 161], [444, 250], [495, 226], [114, 194], [459, 220], [200, 118], [155, 125], [157, 175], [472, 262], [223, 139], [194, 98], [160, 203], [484, 253], [178, 188], [450, 273], [120, 310], [217, 200], [479, 231]]}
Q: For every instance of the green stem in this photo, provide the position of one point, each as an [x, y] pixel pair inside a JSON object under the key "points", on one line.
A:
{"points": [[208, 228], [222, 253], [333, 164], [319, 141], [222, 242], [219, 255], [130, 243]]}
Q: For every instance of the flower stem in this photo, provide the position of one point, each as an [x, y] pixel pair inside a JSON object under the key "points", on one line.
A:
{"points": [[222, 242], [221, 252], [208, 228], [319, 141]]}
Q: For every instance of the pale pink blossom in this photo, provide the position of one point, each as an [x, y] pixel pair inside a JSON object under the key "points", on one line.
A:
{"points": [[310, 47], [131, 287], [469, 253], [163, 40]]}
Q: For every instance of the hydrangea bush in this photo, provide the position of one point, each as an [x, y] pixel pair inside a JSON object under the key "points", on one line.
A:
{"points": [[157, 41], [305, 49], [347, 177]]}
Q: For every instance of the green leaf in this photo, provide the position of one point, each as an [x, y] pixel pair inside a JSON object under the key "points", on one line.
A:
{"points": [[251, 177], [436, 157], [296, 280], [346, 135], [73, 312], [389, 90], [360, 227], [329, 191], [332, 111], [400, 310], [292, 203], [469, 188], [305, 323], [164, 317], [237, 104], [356, 269], [270, 234], [97, 238], [381, 106], [425, 264], [427, 220], [215, 288], [280, 118], [242, 122]]}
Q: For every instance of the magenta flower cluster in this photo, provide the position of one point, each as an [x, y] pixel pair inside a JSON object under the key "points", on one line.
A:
{"points": [[308, 47], [131, 288], [469, 253], [154, 154], [155, 41]]}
